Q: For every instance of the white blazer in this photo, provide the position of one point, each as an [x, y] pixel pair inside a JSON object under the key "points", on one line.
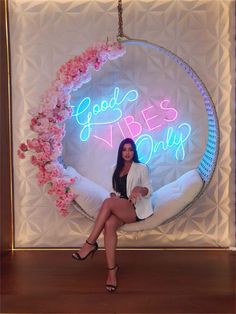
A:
{"points": [[138, 175]]}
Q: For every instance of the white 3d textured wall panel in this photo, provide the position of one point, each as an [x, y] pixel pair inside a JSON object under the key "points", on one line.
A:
{"points": [[45, 34]]}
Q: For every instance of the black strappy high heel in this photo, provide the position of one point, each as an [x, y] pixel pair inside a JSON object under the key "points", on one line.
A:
{"points": [[79, 258], [109, 287]]}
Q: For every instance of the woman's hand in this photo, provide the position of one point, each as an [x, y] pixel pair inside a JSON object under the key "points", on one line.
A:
{"points": [[135, 194]]}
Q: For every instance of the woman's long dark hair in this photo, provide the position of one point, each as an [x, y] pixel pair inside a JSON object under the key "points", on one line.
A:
{"points": [[120, 160]]}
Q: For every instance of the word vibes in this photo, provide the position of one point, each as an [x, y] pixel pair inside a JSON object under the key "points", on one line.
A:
{"points": [[154, 119]]}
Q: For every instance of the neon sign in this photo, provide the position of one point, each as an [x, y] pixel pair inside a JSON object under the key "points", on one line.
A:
{"points": [[86, 117], [153, 119], [146, 146]]}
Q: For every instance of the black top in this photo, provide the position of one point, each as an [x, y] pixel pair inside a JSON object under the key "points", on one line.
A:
{"points": [[121, 186]]}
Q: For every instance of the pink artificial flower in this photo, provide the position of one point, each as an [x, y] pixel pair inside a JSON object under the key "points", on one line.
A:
{"points": [[23, 147], [34, 160], [49, 173], [20, 154], [60, 203], [55, 130], [33, 122], [58, 85], [43, 124], [45, 136], [42, 158], [54, 169], [72, 180], [63, 211], [34, 144]]}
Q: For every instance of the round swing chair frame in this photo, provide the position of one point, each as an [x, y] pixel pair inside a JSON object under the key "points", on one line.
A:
{"points": [[207, 164]]}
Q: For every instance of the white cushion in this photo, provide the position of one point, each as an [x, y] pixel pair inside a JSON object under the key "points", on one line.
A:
{"points": [[169, 200], [89, 194], [70, 172]]}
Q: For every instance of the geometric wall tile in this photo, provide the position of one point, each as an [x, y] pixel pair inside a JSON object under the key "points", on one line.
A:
{"points": [[45, 34]]}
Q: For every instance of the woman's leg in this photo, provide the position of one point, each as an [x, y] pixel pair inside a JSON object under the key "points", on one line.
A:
{"points": [[110, 242], [119, 207], [110, 239]]}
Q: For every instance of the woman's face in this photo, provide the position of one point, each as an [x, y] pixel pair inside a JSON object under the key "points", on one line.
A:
{"points": [[127, 152]]}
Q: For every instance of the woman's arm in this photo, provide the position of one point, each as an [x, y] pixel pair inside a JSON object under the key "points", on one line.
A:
{"points": [[140, 190], [146, 182], [145, 188]]}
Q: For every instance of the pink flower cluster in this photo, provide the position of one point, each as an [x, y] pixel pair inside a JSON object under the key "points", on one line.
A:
{"points": [[49, 122], [76, 72]]}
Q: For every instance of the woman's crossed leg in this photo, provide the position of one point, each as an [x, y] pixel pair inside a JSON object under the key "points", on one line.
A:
{"points": [[118, 207]]}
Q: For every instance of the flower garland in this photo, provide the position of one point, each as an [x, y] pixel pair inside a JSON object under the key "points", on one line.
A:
{"points": [[49, 122]]}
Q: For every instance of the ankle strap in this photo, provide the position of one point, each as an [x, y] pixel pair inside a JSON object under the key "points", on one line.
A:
{"points": [[112, 268], [90, 243]]}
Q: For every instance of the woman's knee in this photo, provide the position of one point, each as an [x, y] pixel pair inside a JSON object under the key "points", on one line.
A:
{"points": [[110, 225], [107, 202]]}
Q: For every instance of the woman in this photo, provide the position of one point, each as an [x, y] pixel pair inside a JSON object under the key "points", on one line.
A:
{"points": [[130, 202]]}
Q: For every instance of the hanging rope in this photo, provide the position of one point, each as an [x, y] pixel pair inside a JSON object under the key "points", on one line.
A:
{"points": [[120, 19]]}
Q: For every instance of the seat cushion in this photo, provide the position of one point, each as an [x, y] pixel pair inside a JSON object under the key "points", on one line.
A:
{"points": [[170, 200], [167, 201]]}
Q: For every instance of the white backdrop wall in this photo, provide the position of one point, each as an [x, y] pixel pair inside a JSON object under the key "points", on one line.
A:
{"points": [[45, 34]]}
